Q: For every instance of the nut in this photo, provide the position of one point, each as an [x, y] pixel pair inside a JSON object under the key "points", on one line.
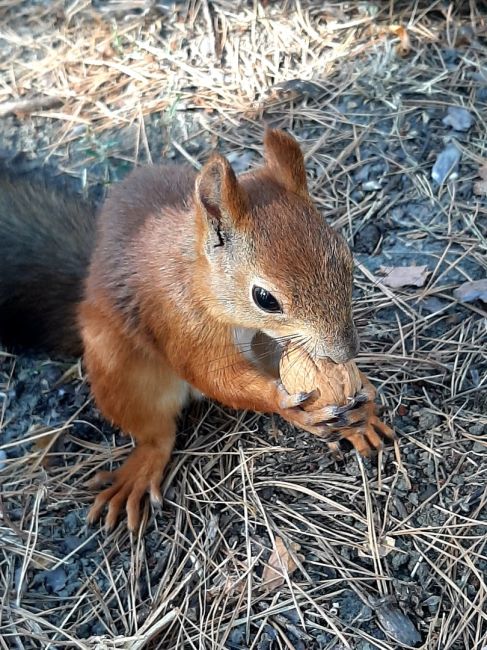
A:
{"points": [[336, 383]]}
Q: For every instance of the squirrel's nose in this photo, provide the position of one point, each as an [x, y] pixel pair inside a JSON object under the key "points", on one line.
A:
{"points": [[343, 355], [346, 349]]}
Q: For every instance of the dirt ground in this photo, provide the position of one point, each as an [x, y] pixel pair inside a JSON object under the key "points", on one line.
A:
{"points": [[389, 102]]}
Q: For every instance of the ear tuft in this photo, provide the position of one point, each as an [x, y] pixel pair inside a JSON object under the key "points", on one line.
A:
{"points": [[210, 184], [284, 159], [219, 194]]}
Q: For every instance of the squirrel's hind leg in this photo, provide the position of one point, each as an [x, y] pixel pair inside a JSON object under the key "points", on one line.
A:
{"points": [[141, 472], [140, 393]]}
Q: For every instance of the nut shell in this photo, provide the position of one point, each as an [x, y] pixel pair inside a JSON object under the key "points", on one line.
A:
{"points": [[335, 383]]}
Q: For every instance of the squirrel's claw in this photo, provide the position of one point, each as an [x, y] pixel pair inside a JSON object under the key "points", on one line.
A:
{"points": [[361, 397], [141, 472], [365, 431], [288, 401], [359, 426], [355, 421]]}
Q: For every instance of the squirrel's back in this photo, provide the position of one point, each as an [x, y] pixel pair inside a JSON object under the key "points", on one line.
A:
{"points": [[46, 241]]}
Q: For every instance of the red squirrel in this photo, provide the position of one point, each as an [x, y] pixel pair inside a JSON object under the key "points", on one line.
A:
{"points": [[164, 290]]}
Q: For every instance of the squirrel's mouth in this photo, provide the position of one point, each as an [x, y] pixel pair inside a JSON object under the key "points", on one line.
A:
{"points": [[341, 352], [264, 350]]}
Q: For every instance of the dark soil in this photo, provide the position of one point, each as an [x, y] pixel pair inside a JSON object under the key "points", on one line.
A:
{"points": [[192, 578]]}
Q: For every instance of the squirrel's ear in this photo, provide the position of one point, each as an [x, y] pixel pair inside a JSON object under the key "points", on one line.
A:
{"points": [[219, 195], [284, 159]]}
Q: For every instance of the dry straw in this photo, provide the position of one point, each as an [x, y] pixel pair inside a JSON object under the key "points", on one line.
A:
{"points": [[86, 88]]}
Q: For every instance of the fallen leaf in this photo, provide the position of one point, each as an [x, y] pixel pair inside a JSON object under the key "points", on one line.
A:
{"points": [[279, 565], [40, 562], [403, 276], [446, 164], [396, 623], [45, 441], [470, 291], [47, 444], [229, 585], [404, 46], [459, 118], [387, 545], [483, 171], [480, 187]]}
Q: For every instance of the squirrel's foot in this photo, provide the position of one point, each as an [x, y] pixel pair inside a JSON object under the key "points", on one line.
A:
{"points": [[288, 402], [142, 472], [290, 408], [366, 394], [317, 421], [355, 421], [364, 430]]}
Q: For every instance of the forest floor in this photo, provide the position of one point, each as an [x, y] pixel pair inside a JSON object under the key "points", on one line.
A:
{"points": [[389, 102]]}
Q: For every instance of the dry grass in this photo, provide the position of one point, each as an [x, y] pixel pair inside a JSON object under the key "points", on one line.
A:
{"points": [[134, 80]]}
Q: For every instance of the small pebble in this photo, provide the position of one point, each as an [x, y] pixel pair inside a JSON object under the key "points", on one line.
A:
{"points": [[71, 542], [446, 164], [433, 305], [397, 624], [237, 637], [71, 522], [362, 173], [98, 629], [265, 642], [458, 118], [428, 492], [271, 633], [371, 186], [399, 560], [324, 640], [478, 429], [432, 603], [299, 645], [450, 56], [56, 579], [367, 239], [357, 195], [428, 420], [413, 498], [240, 161], [470, 291], [292, 615]]}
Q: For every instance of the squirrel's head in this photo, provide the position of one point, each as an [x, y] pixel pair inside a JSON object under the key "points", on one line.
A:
{"points": [[275, 265]]}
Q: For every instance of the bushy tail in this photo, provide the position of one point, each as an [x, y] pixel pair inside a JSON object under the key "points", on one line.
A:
{"points": [[46, 241]]}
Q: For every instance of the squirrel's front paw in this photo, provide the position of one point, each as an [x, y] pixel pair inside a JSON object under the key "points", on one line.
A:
{"points": [[364, 430], [355, 422], [360, 426], [142, 472], [290, 407]]}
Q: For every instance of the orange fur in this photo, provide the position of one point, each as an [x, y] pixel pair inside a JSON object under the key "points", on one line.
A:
{"points": [[170, 283]]}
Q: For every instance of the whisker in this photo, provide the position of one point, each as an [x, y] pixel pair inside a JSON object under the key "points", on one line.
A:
{"points": [[297, 340]]}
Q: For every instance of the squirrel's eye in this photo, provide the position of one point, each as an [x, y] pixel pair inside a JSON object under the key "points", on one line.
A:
{"points": [[266, 301]]}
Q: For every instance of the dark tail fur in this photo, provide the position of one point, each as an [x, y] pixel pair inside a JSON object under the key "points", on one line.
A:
{"points": [[46, 241]]}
